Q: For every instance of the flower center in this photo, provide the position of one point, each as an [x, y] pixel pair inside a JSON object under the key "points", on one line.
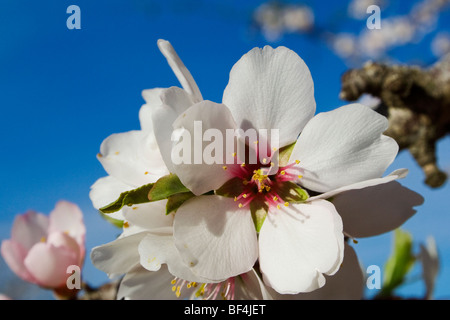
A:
{"points": [[205, 291], [262, 183]]}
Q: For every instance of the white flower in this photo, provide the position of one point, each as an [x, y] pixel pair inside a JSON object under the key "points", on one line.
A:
{"points": [[154, 269], [140, 284], [133, 158], [212, 238], [336, 152], [145, 250]]}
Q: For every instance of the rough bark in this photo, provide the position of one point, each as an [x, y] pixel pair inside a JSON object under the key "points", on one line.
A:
{"points": [[415, 100]]}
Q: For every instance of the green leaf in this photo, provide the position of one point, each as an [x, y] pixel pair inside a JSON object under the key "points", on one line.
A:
{"points": [[165, 187], [176, 200], [115, 222], [232, 188], [128, 198], [399, 263], [291, 192], [285, 154], [259, 213]]}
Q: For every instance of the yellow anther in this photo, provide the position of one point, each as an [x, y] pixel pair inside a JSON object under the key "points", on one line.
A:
{"points": [[200, 291], [174, 288], [173, 281], [234, 154], [272, 164], [267, 188], [264, 160], [126, 224], [99, 155], [240, 205], [300, 176], [245, 182], [242, 165], [297, 161], [278, 206], [117, 153], [43, 239], [134, 208], [224, 167], [146, 172], [235, 199], [275, 198], [244, 196], [286, 204], [283, 172]]}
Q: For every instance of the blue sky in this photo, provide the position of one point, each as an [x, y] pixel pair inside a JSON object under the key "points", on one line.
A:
{"points": [[63, 91]]}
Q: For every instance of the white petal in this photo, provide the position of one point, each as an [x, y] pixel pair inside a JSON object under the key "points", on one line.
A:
{"points": [[300, 243], [249, 286], [175, 102], [215, 238], [150, 216], [397, 174], [201, 172], [132, 157], [181, 72], [271, 89], [107, 190], [346, 284], [375, 210], [342, 147], [118, 256], [158, 249], [153, 100], [141, 284]]}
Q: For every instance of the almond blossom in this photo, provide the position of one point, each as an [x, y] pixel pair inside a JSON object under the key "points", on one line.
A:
{"points": [[276, 214], [42, 247], [133, 159], [297, 240]]}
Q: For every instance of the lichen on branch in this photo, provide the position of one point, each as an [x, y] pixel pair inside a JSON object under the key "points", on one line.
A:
{"points": [[415, 100]]}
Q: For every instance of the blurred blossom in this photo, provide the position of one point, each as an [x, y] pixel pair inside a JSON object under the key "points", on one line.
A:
{"points": [[430, 265], [344, 44], [275, 19], [357, 9], [298, 18], [370, 101], [440, 45], [394, 32], [41, 248], [426, 13], [268, 18], [4, 297]]}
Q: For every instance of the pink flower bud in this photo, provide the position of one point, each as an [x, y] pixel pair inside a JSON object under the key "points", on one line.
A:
{"points": [[42, 247]]}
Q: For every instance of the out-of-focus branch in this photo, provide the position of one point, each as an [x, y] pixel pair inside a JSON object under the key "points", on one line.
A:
{"points": [[416, 102], [108, 291]]}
